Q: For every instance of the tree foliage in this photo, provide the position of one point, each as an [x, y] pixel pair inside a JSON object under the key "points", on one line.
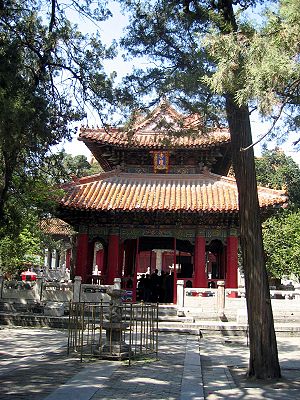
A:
{"points": [[282, 244], [167, 32], [49, 70], [21, 240], [267, 56], [276, 170], [78, 165], [19, 251], [62, 167], [281, 231]]}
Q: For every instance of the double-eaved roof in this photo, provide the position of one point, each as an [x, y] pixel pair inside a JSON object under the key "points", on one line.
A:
{"points": [[121, 190]]}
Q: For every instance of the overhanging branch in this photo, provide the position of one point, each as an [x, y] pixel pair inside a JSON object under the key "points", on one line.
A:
{"points": [[275, 120]]}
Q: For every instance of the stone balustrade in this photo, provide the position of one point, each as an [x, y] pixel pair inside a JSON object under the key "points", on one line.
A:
{"points": [[221, 301], [41, 291], [217, 299]]}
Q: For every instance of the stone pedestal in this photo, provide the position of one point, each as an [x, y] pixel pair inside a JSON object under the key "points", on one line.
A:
{"points": [[115, 348], [54, 309]]}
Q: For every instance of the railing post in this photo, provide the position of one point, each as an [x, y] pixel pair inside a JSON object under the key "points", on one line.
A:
{"points": [[180, 293], [117, 283], [39, 288], [221, 298], [297, 291], [77, 289]]}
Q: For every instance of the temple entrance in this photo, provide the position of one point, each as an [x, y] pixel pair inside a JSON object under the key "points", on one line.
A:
{"points": [[155, 265], [215, 263], [163, 260]]}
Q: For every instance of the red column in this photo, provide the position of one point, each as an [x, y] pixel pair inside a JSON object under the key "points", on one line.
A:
{"points": [[82, 256], [130, 254], [68, 258], [90, 259], [104, 264], [200, 278], [232, 262], [112, 258], [175, 275], [121, 259], [135, 270]]}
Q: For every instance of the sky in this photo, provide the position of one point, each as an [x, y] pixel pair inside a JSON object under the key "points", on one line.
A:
{"points": [[113, 29]]}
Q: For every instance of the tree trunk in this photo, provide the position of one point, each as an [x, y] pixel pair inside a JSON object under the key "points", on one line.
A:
{"points": [[73, 260], [263, 363], [5, 182]]}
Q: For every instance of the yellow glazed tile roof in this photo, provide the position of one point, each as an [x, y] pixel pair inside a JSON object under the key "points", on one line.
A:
{"points": [[120, 191], [151, 140], [56, 226], [164, 127]]}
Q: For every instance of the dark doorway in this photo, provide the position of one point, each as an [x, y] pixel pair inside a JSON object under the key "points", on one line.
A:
{"points": [[215, 262]]}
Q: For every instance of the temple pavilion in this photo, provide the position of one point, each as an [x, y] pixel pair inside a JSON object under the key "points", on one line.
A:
{"points": [[165, 201]]}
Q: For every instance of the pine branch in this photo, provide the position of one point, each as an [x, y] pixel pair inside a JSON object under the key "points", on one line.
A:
{"points": [[275, 120]]}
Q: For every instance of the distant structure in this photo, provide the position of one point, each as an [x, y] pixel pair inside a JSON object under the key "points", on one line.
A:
{"points": [[164, 201], [58, 255]]}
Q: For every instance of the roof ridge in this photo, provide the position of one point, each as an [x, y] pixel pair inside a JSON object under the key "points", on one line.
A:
{"points": [[92, 178], [163, 105], [206, 174]]}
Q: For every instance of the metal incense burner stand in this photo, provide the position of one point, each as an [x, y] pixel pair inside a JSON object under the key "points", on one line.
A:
{"points": [[116, 330], [115, 347]]}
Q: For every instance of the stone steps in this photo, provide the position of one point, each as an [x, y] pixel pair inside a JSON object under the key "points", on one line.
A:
{"points": [[219, 328], [31, 320], [20, 307], [191, 321]]}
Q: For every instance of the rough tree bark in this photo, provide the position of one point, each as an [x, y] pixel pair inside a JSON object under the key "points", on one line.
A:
{"points": [[263, 362], [5, 181]]}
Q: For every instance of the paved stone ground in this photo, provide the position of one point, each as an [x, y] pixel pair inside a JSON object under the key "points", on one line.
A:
{"points": [[224, 365], [151, 380], [34, 366], [33, 362]]}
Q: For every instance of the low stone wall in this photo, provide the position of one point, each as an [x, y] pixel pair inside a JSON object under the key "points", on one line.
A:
{"points": [[218, 300], [60, 292], [41, 292], [232, 302], [200, 298], [26, 292], [28, 320], [94, 293]]}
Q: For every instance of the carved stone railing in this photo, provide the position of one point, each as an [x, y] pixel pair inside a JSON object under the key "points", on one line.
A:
{"points": [[232, 301], [24, 291], [54, 291], [41, 291]]}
